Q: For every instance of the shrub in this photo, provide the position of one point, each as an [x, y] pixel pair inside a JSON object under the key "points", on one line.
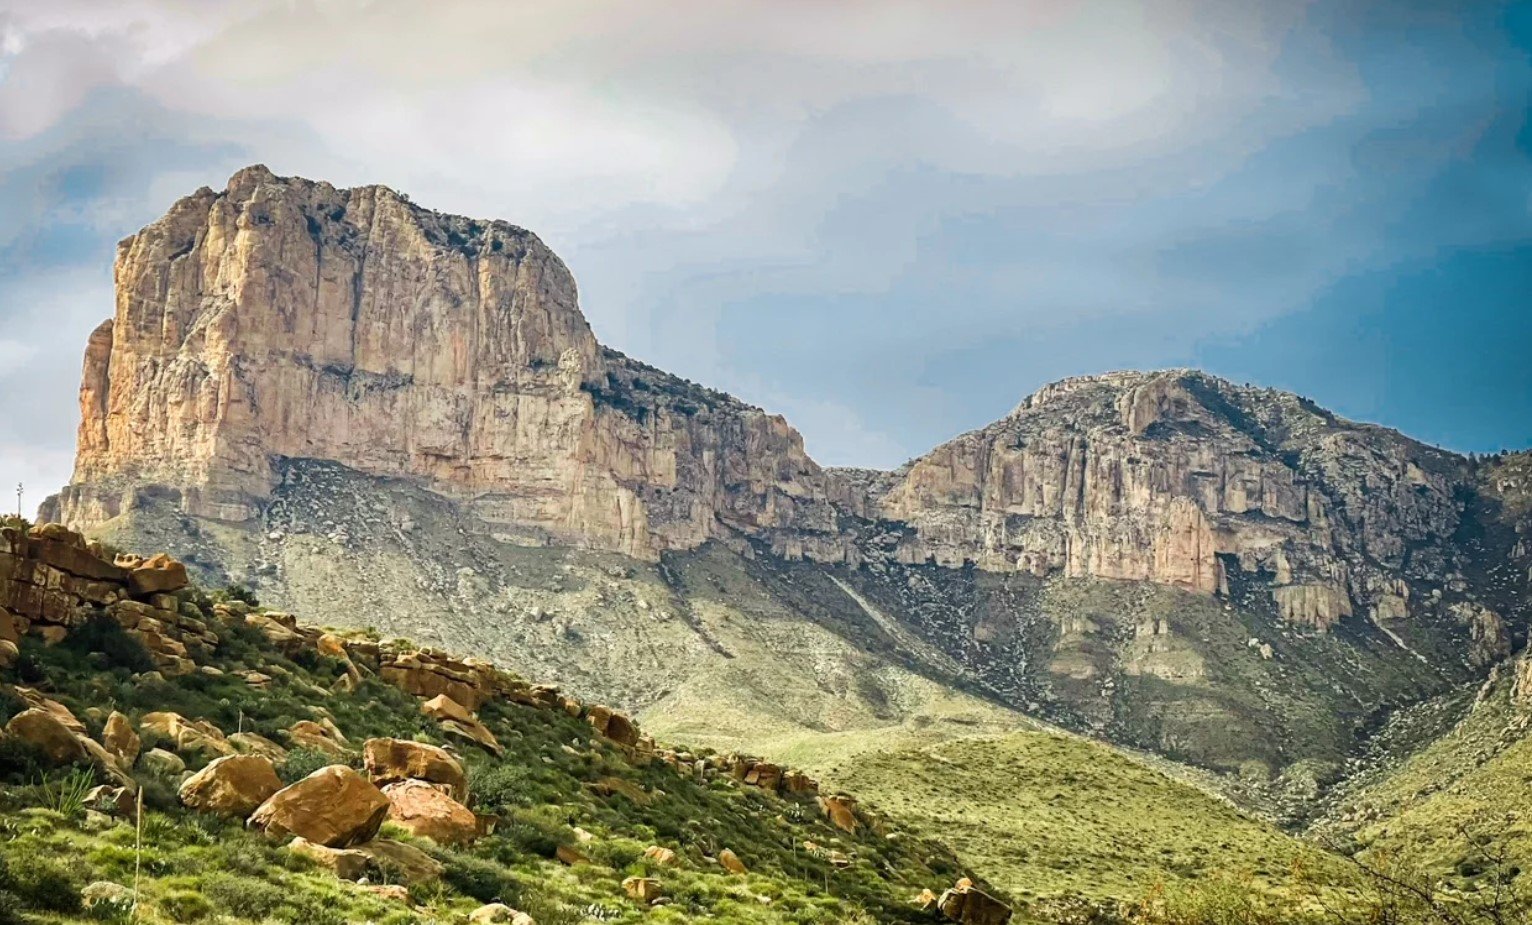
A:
{"points": [[235, 592], [47, 884], [10, 909], [301, 762], [246, 897], [106, 638], [484, 880], [186, 906]]}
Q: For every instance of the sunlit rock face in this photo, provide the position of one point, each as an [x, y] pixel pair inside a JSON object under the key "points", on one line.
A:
{"points": [[286, 318], [1178, 477]]}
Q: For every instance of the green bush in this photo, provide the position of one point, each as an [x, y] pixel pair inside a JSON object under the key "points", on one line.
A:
{"points": [[186, 906], [10, 909], [246, 897], [484, 880], [47, 884], [104, 636], [301, 762]]}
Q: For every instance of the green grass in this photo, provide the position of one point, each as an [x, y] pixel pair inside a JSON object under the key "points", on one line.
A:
{"points": [[194, 868], [1048, 816]]}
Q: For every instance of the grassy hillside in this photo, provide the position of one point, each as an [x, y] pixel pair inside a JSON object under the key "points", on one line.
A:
{"points": [[1048, 816], [1442, 807], [558, 785]]}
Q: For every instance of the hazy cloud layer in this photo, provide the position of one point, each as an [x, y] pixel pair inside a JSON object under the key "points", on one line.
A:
{"points": [[886, 220]]}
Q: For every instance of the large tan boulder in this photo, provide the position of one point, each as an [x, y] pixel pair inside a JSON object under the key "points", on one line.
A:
{"points": [[157, 575], [54, 741], [389, 761], [231, 786], [186, 735], [429, 813], [613, 725], [250, 743], [316, 737], [969, 905], [499, 914], [120, 739], [335, 807], [731, 862], [659, 855], [643, 889], [841, 810]]}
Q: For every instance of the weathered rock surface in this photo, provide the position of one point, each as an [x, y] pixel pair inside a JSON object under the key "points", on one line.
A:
{"points": [[232, 786], [427, 812], [390, 761], [285, 318], [335, 807], [969, 905]]}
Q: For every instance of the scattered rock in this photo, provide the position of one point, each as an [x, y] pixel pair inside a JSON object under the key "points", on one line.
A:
{"points": [[841, 810], [103, 897], [407, 862], [119, 738], [44, 731], [495, 913], [335, 807], [570, 856], [344, 863], [232, 786], [642, 889], [159, 761], [457, 720], [392, 760], [731, 862], [427, 812], [661, 856], [969, 905], [186, 735]]}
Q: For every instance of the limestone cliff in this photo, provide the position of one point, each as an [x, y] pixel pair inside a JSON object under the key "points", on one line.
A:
{"points": [[282, 318], [1180, 478]]}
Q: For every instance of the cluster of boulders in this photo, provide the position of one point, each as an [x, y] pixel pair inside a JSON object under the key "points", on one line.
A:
{"points": [[966, 904], [52, 579]]}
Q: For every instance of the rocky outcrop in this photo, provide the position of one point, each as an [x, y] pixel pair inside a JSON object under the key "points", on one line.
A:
{"points": [[1178, 478], [285, 318]]}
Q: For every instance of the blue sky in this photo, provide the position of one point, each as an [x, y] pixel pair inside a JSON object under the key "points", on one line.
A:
{"points": [[888, 221]]}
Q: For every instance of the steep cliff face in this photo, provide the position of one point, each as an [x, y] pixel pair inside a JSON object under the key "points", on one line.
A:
{"points": [[1180, 478], [286, 318]]}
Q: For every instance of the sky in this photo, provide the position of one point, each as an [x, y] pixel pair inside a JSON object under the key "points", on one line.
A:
{"points": [[887, 220]]}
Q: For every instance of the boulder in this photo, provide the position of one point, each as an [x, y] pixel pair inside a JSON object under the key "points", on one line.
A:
{"points": [[841, 810], [43, 730], [106, 900], [458, 721], [643, 889], [427, 812], [249, 743], [390, 891], [389, 761], [315, 737], [344, 863], [186, 735], [661, 856], [335, 807], [407, 862], [232, 786], [569, 856], [495, 913], [8, 654], [120, 740], [157, 575], [969, 905], [731, 862]]}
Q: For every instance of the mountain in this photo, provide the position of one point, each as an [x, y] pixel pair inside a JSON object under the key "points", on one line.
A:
{"points": [[400, 419]]}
